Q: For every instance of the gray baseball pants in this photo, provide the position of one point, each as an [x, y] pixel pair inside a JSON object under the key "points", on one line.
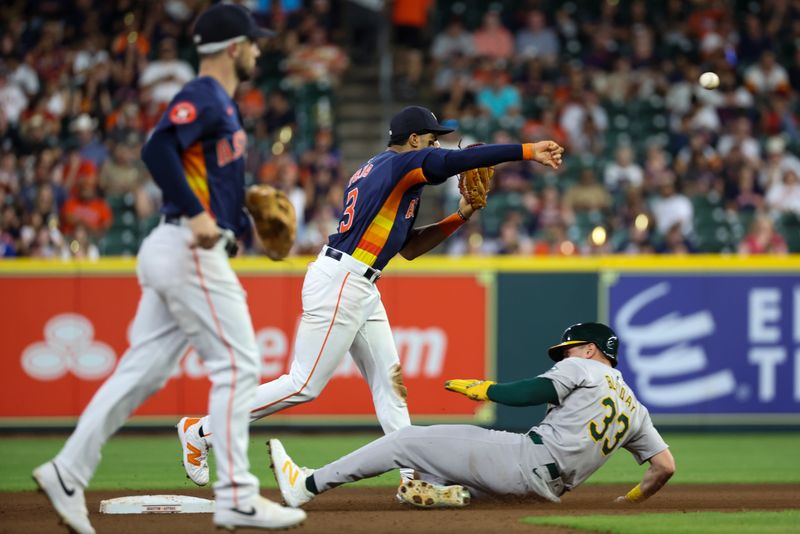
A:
{"points": [[484, 461], [189, 295]]}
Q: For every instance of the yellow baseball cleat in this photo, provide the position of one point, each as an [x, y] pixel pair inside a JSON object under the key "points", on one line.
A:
{"points": [[291, 477]]}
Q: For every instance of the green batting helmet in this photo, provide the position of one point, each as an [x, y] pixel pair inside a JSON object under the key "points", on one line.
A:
{"points": [[582, 333]]}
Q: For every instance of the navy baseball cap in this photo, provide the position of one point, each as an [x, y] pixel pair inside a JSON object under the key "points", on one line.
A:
{"points": [[415, 119], [223, 24]]}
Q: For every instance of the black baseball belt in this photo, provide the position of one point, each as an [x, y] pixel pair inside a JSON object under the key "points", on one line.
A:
{"points": [[370, 274]]}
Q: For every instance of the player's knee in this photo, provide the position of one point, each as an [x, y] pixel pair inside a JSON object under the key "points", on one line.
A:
{"points": [[157, 378], [396, 440], [398, 386], [307, 389], [143, 389], [308, 393], [249, 371], [249, 361]]}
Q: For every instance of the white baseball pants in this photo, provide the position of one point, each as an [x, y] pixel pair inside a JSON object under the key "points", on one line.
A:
{"points": [[189, 295], [342, 311]]}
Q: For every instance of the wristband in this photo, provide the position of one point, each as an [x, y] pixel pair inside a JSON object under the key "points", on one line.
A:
{"points": [[635, 495], [463, 217], [528, 152]]}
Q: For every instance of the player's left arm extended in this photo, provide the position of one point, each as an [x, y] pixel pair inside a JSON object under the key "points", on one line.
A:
{"points": [[662, 467], [528, 392]]}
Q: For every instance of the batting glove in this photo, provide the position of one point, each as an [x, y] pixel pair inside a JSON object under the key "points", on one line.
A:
{"points": [[475, 389]]}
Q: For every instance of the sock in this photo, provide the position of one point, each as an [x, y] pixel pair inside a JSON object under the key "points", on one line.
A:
{"points": [[407, 474], [311, 485]]}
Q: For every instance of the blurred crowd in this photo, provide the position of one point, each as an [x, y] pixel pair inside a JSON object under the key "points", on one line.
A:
{"points": [[82, 82], [655, 163]]}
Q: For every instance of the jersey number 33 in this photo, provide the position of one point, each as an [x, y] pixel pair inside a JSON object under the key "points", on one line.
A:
{"points": [[619, 421]]}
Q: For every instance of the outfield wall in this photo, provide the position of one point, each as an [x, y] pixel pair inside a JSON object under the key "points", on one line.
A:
{"points": [[705, 341]]}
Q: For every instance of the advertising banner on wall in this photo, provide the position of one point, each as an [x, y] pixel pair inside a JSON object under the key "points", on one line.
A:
{"points": [[710, 344], [63, 335]]}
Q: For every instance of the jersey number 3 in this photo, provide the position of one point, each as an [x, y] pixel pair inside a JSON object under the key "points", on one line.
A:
{"points": [[349, 207], [599, 433]]}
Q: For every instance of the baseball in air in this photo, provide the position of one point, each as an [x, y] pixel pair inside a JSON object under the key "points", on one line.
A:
{"points": [[709, 80]]}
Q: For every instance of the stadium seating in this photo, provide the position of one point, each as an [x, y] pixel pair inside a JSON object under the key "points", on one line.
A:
{"points": [[122, 239]]}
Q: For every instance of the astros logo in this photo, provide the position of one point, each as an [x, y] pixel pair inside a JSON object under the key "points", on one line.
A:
{"points": [[411, 207], [182, 113]]}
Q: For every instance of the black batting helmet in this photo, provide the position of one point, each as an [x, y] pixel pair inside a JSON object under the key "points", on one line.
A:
{"points": [[582, 333]]}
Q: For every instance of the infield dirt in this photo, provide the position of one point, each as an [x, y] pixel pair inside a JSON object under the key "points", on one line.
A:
{"points": [[373, 510]]}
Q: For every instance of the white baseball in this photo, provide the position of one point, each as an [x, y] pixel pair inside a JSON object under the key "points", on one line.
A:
{"points": [[709, 80]]}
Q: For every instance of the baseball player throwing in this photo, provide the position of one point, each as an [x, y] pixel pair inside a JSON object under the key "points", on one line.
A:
{"points": [[342, 308], [190, 294], [591, 414]]}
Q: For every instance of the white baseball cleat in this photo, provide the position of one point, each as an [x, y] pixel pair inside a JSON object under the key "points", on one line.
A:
{"points": [[291, 478], [194, 450], [427, 495], [260, 513], [65, 495]]}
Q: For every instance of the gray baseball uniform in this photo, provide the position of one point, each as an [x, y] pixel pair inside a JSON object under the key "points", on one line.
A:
{"points": [[597, 413], [189, 294]]}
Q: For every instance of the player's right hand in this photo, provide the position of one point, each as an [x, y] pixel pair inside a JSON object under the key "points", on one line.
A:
{"points": [[205, 232], [477, 390], [548, 153]]}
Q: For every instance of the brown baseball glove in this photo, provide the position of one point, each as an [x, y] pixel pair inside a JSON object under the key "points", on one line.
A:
{"points": [[274, 219], [474, 184]]}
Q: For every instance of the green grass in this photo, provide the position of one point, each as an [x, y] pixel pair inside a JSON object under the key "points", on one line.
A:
{"points": [[153, 461], [717, 459], [687, 523]]}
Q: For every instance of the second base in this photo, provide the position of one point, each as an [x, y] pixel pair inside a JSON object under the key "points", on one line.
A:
{"points": [[157, 504]]}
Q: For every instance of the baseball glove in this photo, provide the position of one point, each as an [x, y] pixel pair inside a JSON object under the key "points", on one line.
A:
{"points": [[274, 219], [477, 390], [474, 184]]}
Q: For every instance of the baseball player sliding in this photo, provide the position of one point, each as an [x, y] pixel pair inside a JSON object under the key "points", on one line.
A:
{"points": [[190, 294], [342, 308], [591, 414]]}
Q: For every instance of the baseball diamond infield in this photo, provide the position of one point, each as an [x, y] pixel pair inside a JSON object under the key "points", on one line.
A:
{"points": [[373, 510]]}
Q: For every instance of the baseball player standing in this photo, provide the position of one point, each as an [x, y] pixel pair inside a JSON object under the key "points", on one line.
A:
{"points": [[342, 308], [190, 293], [591, 413]]}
